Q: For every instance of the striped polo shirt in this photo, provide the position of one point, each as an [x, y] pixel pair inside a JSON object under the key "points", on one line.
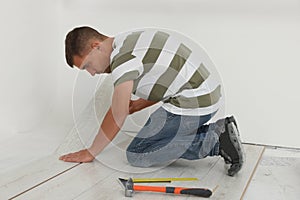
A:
{"points": [[166, 66]]}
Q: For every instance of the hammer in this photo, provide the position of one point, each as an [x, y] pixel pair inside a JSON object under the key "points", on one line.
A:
{"points": [[130, 188]]}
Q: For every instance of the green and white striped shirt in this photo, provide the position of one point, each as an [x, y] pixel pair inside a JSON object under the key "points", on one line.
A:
{"points": [[166, 66]]}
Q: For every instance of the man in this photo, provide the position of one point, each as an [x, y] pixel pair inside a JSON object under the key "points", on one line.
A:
{"points": [[156, 66]]}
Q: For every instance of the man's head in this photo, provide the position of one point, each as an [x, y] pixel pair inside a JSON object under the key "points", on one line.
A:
{"points": [[87, 49]]}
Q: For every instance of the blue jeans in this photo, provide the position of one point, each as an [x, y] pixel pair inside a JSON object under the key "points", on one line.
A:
{"points": [[167, 137]]}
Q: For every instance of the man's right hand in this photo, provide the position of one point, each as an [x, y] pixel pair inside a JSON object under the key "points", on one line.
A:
{"points": [[83, 156]]}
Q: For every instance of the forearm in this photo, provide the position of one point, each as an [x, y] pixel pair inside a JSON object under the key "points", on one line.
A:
{"points": [[111, 125], [106, 134]]}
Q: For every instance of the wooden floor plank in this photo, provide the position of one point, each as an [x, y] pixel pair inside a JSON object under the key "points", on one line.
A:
{"points": [[97, 181], [234, 187], [18, 181], [277, 177]]}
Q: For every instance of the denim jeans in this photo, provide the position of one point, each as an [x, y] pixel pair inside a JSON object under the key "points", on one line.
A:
{"points": [[167, 137]]}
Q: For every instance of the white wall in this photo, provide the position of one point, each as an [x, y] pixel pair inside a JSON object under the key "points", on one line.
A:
{"points": [[28, 78], [253, 43]]}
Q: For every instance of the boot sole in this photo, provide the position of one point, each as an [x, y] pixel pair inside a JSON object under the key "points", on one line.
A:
{"points": [[236, 142]]}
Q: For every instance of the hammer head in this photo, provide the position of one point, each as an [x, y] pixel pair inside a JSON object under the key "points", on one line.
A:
{"points": [[129, 188]]}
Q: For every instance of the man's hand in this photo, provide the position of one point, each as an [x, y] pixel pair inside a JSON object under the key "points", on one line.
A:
{"points": [[133, 106], [80, 156], [137, 105]]}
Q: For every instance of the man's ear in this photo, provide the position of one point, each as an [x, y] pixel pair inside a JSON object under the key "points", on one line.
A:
{"points": [[95, 44]]}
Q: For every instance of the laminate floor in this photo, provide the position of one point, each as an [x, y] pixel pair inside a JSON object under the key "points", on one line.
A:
{"points": [[49, 178]]}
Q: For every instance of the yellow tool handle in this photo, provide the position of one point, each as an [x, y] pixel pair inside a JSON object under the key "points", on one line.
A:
{"points": [[139, 180]]}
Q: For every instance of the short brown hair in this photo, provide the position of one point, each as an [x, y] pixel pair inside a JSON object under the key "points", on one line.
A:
{"points": [[77, 40]]}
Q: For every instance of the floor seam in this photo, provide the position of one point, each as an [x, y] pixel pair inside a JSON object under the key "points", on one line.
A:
{"points": [[43, 182]]}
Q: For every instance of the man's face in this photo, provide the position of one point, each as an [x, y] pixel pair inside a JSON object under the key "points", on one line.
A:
{"points": [[95, 62]]}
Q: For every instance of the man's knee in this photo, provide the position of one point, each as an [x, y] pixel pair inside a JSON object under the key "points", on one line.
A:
{"points": [[137, 159]]}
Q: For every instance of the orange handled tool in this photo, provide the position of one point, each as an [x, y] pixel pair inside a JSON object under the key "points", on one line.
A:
{"points": [[201, 192], [130, 188]]}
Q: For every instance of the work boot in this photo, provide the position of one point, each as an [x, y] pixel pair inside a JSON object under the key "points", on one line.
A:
{"points": [[231, 148]]}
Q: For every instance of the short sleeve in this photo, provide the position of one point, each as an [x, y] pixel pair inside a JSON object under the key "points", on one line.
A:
{"points": [[125, 71]]}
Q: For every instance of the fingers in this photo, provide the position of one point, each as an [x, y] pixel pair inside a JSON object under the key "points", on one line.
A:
{"points": [[130, 103], [78, 157], [131, 107], [72, 157], [131, 110]]}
